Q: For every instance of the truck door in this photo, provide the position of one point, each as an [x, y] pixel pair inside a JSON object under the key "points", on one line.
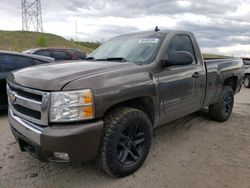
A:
{"points": [[181, 87]]}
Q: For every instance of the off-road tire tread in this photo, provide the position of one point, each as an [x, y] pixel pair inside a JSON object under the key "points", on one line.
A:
{"points": [[215, 110], [110, 125]]}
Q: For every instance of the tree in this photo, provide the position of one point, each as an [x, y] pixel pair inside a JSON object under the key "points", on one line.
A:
{"points": [[41, 42]]}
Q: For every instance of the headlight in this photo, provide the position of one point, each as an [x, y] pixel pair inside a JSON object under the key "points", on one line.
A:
{"points": [[71, 106]]}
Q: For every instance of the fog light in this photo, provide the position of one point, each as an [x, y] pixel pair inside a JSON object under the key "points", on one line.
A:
{"points": [[62, 156]]}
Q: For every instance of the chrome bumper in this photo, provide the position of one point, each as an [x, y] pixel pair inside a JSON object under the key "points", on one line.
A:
{"points": [[26, 128]]}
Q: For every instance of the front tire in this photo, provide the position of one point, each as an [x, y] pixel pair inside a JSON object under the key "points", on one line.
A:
{"points": [[222, 109], [126, 141], [247, 81]]}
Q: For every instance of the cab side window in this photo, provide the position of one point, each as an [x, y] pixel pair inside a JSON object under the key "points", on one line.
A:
{"points": [[9, 63], [246, 62], [181, 43]]}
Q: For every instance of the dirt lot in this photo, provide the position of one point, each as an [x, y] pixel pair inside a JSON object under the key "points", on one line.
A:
{"points": [[190, 152]]}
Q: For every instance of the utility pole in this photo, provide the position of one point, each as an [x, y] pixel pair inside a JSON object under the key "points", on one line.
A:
{"points": [[32, 15], [76, 30], [76, 35]]}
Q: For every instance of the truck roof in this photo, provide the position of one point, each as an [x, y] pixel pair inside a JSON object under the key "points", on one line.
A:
{"points": [[161, 32]]}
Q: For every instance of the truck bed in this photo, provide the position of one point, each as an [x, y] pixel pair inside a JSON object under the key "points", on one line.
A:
{"points": [[216, 70]]}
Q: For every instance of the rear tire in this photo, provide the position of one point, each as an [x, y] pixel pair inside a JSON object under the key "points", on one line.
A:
{"points": [[222, 109], [247, 81], [126, 141]]}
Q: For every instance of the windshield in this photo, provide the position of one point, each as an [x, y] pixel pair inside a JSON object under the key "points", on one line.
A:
{"points": [[132, 48]]}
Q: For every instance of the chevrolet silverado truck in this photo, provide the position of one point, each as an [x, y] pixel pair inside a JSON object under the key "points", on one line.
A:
{"points": [[105, 107]]}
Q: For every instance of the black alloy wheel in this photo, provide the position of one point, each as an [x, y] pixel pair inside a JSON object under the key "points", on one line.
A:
{"points": [[131, 145], [228, 103]]}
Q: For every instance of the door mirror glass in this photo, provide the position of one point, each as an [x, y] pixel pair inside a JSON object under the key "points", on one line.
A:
{"points": [[179, 58]]}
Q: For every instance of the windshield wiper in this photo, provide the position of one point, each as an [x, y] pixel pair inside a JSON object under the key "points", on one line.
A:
{"points": [[122, 59], [117, 59], [101, 59], [90, 58]]}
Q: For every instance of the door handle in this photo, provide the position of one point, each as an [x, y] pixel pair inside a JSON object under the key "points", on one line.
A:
{"points": [[196, 75]]}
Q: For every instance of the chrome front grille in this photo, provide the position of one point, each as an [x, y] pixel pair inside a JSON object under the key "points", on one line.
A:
{"points": [[29, 104]]}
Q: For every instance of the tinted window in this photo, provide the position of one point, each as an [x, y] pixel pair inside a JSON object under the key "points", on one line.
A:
{"points": [[72, 55], [60, 55], [38, 62], [80, 55], [43, 53], [181, 43], [246, 62], [12, 62]]}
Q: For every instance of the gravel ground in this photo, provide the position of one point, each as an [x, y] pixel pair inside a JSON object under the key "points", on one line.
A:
{"points": [[190, 152]]}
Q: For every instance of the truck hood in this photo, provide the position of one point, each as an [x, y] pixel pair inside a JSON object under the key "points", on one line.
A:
{"points": [[54, 76]]}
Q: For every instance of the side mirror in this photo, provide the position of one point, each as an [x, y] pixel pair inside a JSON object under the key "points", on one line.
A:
{"points": [[179, 58]]}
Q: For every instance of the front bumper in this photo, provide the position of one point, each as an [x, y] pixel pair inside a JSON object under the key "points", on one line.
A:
{"points": [[80, 142]]}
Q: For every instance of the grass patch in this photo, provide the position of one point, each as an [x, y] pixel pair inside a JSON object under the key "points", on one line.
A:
{"points": [[213, 56], [23, 40]]}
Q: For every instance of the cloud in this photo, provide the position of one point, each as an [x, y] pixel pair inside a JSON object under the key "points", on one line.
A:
{"points": [[132, 8], [220, 26]]}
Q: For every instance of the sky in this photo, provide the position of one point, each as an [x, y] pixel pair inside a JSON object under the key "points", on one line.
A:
{"points": [[220, 26]]}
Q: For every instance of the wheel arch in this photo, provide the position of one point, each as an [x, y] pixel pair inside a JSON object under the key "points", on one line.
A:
{"points": [[232, 82], [144, 103]]}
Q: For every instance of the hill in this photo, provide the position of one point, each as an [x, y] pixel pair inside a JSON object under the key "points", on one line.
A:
{"points": [[212, 56], [22, 40]]}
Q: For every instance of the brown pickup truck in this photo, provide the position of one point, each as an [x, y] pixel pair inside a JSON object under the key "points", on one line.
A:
{"points": [[106, 107]]}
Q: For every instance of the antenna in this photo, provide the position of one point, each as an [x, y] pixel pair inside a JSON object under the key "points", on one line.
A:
{"points": [[157, 29], [32, 15]]}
